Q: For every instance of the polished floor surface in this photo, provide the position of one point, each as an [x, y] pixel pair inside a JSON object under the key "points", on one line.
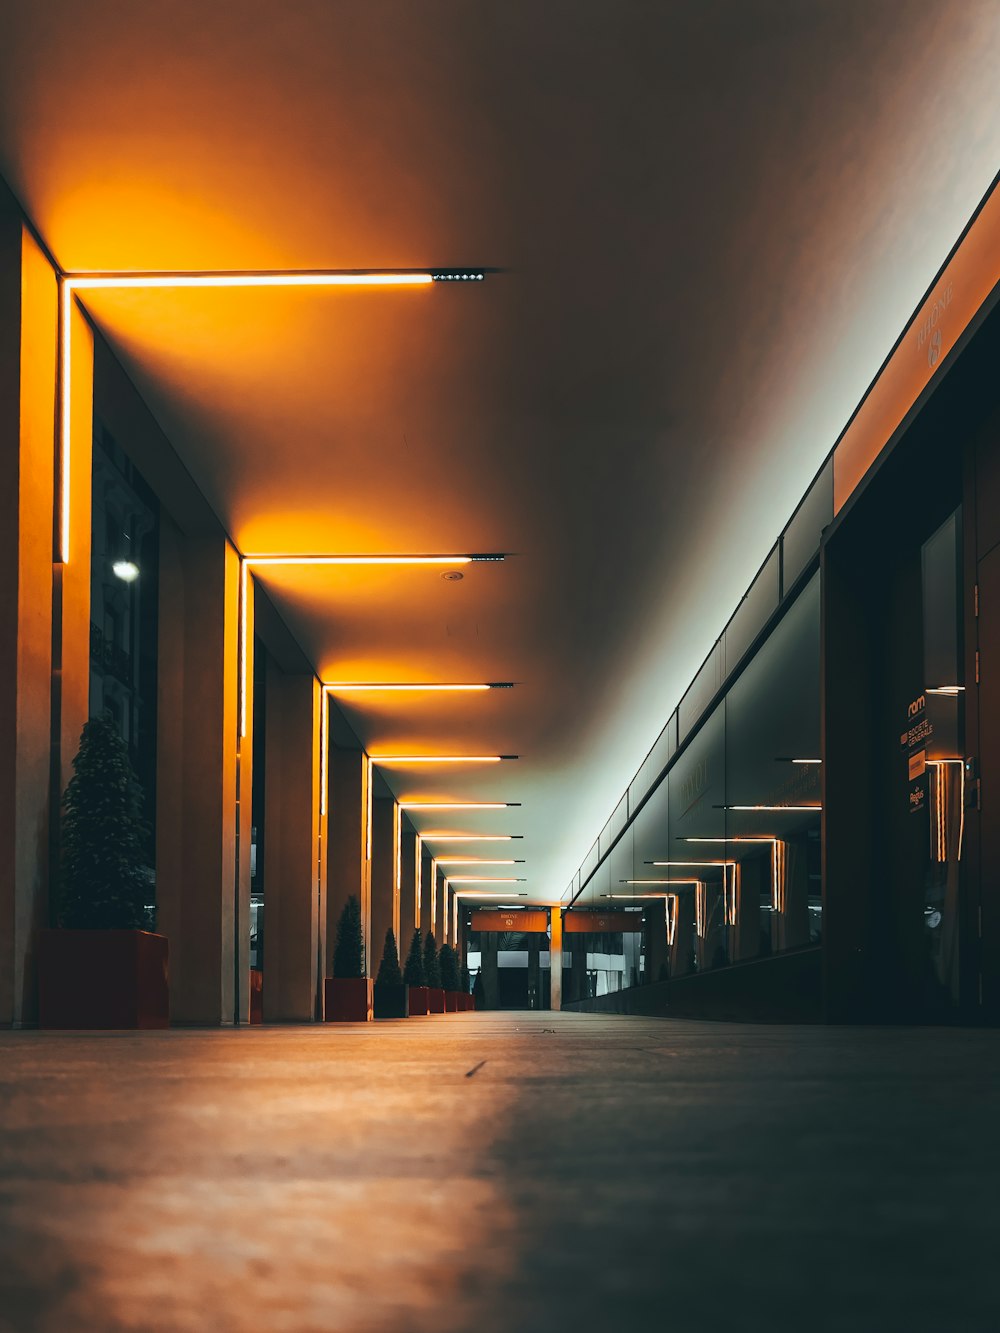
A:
{"points": [[490, 1172]]}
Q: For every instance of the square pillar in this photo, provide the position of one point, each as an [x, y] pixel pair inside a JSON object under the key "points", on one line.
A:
{"points": [[349, 845], [555, 957], [426, 890], [28, 334], [292, 842], [384, 876], [409, 888], [202, 881]]}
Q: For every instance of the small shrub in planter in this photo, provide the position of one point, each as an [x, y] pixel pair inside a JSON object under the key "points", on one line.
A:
{"points": [[450, 981], [432, 971], [99, 968], [348, 993], [413, 976], [390, 992]]}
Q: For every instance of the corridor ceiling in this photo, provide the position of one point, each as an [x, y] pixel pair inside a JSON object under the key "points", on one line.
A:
{"points": [[710, 219]]}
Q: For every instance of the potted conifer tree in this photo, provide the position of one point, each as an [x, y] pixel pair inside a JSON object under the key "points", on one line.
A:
{"points": [[390, 992], [450, 980], [414, 978], [467, 1000], [348, 993], [99, 968], [432, 971]]}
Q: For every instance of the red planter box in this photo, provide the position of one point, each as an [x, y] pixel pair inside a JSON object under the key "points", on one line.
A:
{"points": [[418, 1000], [452, 1001], [468, 1003], [347, 999], [103, 979], [435, 1000]]}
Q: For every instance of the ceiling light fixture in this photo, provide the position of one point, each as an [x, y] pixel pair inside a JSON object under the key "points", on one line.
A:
{"points": [[472, 879], [475, 861], [436, 758], [255, 561], [470, 837], [340, 687], [72, 283], [126, 570], [458, 805]]}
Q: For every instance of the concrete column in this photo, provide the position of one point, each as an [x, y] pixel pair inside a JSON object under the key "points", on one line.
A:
{"points": [[534, 971], [426, 890], [349, 844], [555, 957], [28, 334], [202, 887], [384, 876], [409, 889], [293, 832]]}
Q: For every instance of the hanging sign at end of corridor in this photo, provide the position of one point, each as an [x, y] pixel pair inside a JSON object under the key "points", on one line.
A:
{"points": [[525, 921]]}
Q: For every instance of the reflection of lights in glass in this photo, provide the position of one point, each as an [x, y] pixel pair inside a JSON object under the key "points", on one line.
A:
{"points": [[652, 881], [815, 806], [736, 838], [126, 570], [942, 807], [945, 689]]}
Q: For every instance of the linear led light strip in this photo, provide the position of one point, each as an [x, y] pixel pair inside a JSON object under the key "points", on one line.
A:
{"points": [[471, 837], [71, 283], [458, 805], [493, 879], [248, 562], [475, 861], [415, 687], [393, 760]]}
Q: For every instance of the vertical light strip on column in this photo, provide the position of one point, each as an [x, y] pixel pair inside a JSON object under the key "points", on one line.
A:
{"points": [[417, 864], [369, 768], [324, 751]]}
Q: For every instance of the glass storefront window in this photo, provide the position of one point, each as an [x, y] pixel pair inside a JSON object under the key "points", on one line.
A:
{"points": [[124, 610]]}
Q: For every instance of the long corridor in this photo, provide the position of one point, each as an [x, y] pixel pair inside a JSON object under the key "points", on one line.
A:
{"points": [[522, 1171]]}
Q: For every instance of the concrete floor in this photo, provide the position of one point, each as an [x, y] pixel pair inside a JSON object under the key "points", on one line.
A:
{"points": [[489, 1172]]}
